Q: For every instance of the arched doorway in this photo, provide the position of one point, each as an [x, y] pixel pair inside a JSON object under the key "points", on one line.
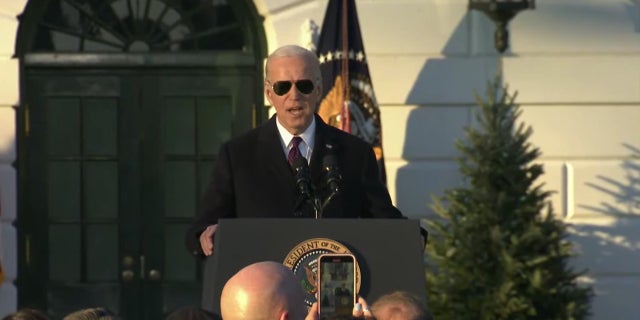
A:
{"points": [[124, 106]]}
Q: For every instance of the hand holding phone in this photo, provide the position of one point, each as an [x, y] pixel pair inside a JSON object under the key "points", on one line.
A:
{"points": [[336, 286]]}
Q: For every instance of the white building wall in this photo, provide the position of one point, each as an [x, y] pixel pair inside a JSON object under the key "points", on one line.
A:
{"points": [[577, 71], [9, 97], [574, 63], [576, 67]]}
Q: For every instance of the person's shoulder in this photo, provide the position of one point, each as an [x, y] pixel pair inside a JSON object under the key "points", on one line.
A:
{"points": [[244, 138], [249, 138]]}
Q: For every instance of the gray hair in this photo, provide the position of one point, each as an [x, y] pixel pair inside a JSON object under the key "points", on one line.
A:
{"points": [[403, 304], [92, 314], [295, 51]]}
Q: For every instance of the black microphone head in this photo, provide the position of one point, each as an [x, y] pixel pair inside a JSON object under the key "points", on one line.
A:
{"points": [[303, 183], [333, 178], [330, 161], [300, 164]]}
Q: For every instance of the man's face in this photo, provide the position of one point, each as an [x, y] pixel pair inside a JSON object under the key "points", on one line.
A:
{"points": [[294, 109]]}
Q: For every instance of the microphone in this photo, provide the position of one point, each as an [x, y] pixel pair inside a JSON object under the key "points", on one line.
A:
{"points": [[330, 165], [303, 182], [301, 168]]}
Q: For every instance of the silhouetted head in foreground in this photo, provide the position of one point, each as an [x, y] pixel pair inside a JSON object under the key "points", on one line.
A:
{"points": [[264, 290]]}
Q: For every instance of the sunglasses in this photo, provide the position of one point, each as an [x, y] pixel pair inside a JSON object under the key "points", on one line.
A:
{"points": [[282, 87]]}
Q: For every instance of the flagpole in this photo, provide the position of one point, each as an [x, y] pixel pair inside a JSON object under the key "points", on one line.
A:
{"points": [[346, 117], [341, 59]]}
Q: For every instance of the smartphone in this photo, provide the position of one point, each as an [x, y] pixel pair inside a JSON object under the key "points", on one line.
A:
{"points": [[336, 286]]}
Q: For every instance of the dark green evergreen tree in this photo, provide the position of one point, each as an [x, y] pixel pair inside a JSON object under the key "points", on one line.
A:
{"points": [[499, 252]]}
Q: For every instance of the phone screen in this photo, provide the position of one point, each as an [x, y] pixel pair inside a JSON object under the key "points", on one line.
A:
{"points": [[336, 291]]}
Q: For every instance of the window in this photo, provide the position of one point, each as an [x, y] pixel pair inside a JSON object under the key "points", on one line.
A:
{"points": [[138, 26]]}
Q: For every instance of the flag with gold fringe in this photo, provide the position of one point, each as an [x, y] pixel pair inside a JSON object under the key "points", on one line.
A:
{"points": [[348, 101]]}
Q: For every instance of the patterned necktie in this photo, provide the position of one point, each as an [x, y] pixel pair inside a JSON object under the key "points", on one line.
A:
{"points": [[294, 153]]}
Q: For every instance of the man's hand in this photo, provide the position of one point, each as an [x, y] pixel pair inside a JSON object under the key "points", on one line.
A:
{"points": [[206, 239], [313, 312], [361, 310]]}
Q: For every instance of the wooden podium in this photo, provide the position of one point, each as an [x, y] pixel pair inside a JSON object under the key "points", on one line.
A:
{"points": [[388, 251]]}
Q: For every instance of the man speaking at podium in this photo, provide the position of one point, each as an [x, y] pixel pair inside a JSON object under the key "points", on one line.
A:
{"points": [[294, 165]]}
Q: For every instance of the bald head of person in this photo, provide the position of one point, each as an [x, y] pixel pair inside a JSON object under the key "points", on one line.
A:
{"points": [[263, 291]]}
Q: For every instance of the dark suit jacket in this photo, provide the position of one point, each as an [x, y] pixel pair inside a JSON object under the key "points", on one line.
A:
{"points": [[252, 178]]}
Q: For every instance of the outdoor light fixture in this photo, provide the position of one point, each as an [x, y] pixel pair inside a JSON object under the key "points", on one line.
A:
{"points": [[501, 12]]}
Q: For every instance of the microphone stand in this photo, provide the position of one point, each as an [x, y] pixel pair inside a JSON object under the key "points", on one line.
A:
{"points": [[330, 165], [317, 208], [327, 200], [305, 187]]}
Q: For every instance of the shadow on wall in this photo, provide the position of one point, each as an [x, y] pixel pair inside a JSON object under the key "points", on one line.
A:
{"points": [[620, 238], [8, 174], [8, 250], [444, 93], [633, 9], [8, 149], [611, 249]]}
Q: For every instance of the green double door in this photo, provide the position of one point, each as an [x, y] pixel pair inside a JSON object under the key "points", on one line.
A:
{"points": [[112, 167]]}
